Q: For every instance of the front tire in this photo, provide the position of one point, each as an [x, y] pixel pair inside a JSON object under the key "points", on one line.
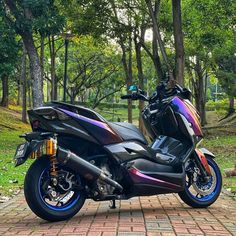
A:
{"points": [[34, 194], [202, 199]]}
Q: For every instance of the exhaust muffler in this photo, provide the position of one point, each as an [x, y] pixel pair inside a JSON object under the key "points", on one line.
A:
{"points": [[84, 168]]}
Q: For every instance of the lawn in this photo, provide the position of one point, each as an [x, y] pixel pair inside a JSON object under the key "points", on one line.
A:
{"points": [[224, 147], [119, 114], [11, 178]]}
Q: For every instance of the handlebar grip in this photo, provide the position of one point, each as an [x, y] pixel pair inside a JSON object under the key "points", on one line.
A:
{"points": [[128, 96]]}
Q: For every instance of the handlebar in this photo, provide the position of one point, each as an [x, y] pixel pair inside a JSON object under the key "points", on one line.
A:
{"points": [[128, 96], [161, 92], [135, 96]]}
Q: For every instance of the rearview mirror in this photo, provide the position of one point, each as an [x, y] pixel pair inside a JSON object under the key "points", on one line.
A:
{"points": [[133, 88]]}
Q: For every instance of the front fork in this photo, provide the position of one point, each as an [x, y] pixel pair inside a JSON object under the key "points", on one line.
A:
{"points": [[202, 164]]}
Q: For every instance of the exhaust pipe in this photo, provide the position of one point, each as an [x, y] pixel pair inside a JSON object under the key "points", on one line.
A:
{"points": [[84, 168]]}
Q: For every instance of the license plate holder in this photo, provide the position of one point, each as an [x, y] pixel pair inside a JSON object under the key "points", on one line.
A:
{"points": [[21, 150]]}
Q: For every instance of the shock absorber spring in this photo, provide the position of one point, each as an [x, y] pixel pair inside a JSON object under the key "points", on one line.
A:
{"points": [[51, 147], [54, 166]]}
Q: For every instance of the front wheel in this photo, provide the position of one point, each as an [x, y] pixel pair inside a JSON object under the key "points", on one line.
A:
{"points": [[199, 193], [52, 199]]}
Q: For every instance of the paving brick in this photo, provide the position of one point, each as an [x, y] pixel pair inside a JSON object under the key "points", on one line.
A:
{"points": [[162, 215]]}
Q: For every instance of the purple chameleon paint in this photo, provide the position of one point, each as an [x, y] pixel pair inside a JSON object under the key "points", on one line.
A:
{"points": [[139, 177], [86, 119], [181, 107]]}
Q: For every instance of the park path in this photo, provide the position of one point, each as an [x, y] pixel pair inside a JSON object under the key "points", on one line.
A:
{"points": [[164, 215]]}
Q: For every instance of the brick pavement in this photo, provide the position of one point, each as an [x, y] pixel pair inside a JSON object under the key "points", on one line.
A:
{"points": [[164, 215]]}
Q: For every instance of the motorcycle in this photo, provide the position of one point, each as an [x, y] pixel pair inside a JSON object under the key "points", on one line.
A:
{"points": [[79, 155]]}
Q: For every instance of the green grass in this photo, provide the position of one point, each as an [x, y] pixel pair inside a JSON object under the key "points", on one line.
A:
{"points": [[224, 147], [11, 178], [118, 114]]}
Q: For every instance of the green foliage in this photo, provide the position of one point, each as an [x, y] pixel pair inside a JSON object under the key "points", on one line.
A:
{"points": [[226, 70], [9, 48], [40, 16], [207, 26], [220, 106], [94, 69], [207, 23]]}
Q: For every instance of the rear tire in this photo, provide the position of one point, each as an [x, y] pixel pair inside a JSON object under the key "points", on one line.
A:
{"points": [[206, 200], [35, 201]]}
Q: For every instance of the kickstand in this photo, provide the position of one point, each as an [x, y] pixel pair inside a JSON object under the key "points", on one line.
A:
{"points": [[113, 204]]}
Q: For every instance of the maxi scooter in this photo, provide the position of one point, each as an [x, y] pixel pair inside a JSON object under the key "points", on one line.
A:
{"points": [[79, 155]]}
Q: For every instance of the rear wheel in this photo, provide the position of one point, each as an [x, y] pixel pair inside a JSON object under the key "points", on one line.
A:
{"points": [[199, 193], [50, 199]]}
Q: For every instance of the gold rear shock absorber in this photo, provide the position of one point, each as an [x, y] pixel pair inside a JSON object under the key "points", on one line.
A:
{"points": [[51, 150]]}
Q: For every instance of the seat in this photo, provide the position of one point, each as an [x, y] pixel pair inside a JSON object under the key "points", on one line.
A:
{"points": [[128, 132]]}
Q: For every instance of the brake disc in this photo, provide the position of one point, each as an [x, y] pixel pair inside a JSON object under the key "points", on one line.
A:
{"points": [[205, 188]]}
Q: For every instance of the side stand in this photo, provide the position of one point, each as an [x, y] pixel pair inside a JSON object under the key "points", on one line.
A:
{"points": [[113, 204]]}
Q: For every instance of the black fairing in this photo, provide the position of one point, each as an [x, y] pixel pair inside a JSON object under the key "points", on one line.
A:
{"points": [[126, 151], [163, 122], [52, 120], [83, 111], [65, 122], [170, 151]]}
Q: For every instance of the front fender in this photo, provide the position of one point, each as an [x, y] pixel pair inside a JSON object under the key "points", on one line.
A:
{"points": [[207, 152], [201, 155]]}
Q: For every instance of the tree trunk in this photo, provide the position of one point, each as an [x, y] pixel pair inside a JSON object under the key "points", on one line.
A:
{"points": [[199, 88], [158, 36], [127, 63], [5, 91], [156, 58], [128, 76], [231, 106], [29, 93], [35, 69], [42, 59], [53, 66], [24, 85], [179, 44], [130, 80], [140, 77]]}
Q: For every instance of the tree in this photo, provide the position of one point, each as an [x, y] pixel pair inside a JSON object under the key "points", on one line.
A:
{"points": [[27, 17], [226, 73], [24, 86], [206, 25], [93, 68], [153, 10], [9, 48], [107, 20], [179, 42]]}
